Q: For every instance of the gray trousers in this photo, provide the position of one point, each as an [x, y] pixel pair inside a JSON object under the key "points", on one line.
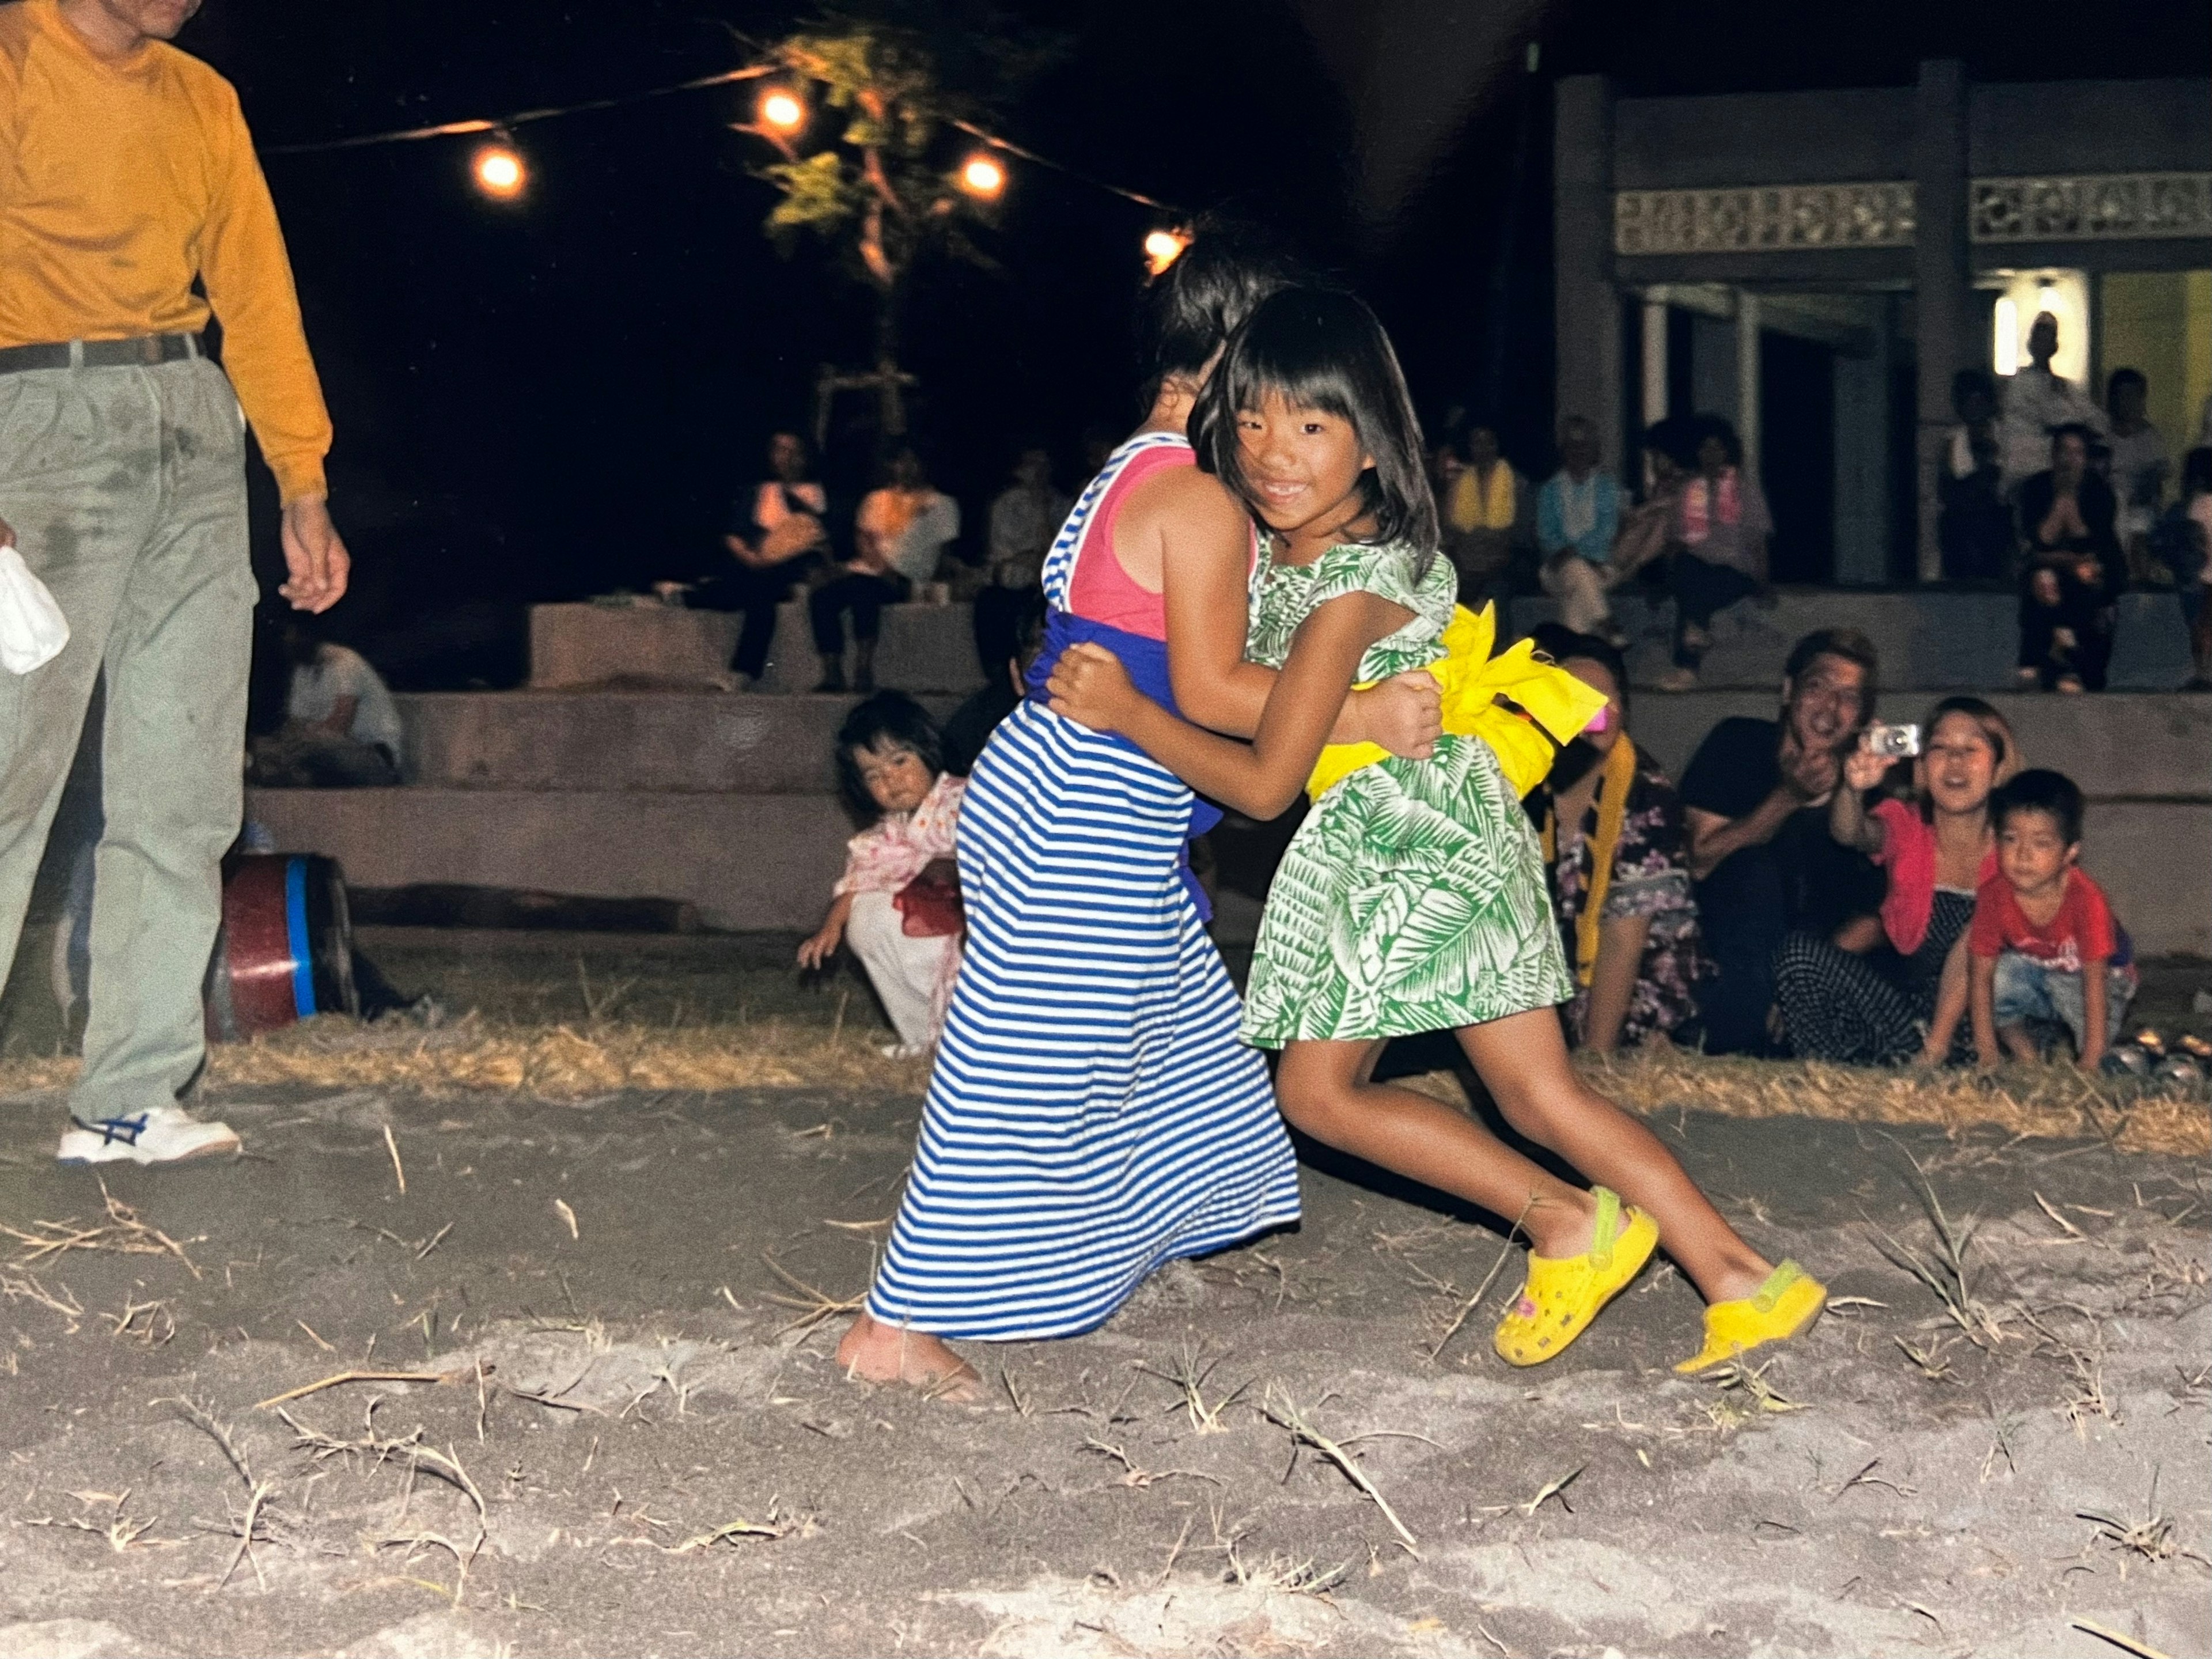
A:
{"points": [[126, 488]]}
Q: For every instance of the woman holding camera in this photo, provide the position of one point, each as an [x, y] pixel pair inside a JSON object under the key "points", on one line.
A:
{"points": [[1904, 1001]]}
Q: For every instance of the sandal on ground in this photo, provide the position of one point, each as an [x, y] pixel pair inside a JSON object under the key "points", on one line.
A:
{"points": [[1563, 1295], [1783, 1307]]}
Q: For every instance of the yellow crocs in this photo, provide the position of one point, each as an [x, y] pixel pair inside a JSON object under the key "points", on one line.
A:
{"points": [[1786, 1306], [1562, 1297]]}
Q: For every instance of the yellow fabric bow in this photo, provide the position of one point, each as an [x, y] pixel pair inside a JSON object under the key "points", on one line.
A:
{"points": [[1473, 682]]}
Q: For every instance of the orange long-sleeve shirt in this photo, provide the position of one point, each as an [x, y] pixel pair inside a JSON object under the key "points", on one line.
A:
{"points": [[119, 184]]}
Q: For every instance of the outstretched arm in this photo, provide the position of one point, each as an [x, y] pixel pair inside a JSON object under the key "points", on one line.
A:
{"points": [[1260, 779], [1203, 543]]}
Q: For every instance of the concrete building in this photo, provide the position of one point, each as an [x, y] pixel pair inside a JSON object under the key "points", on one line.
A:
{"points": [[1816, 265]]}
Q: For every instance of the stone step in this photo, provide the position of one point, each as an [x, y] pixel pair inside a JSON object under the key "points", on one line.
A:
{"points": [[762, 861], [2119, 743], [693, 741], [1961, 640], [924, 648], [744, 861]]}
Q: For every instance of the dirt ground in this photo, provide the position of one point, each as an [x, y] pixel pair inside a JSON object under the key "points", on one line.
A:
{"points": [[641, 1446]]}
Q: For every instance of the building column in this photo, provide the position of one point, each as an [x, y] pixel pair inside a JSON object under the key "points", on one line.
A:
{"points": [[1655, 362], [1943, 279], [1585, 308], [1746, 377]]}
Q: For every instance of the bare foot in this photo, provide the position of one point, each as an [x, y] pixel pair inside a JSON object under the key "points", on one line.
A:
{"points": [[889, 1353]]}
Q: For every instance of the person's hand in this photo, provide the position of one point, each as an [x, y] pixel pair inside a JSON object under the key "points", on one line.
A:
{"points": [[1090, 686], [816, 951], [2089, 574], [1809, 775], [2062, 638], [1863, 770], [7, 533], [315, 556], [1403, 713]]}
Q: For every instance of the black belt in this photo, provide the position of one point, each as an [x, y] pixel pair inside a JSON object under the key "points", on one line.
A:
{"points": [[136, 352]]}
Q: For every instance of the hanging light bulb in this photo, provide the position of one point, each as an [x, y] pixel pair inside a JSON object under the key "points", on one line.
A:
{"points": [[499, 171], [782, 111], [1163, 248], [983, 176]]}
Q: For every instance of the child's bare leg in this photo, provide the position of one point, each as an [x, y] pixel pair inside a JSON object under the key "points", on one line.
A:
{"points": [[2018, 1042], [892, 1353], [1523, 1060], [1323, 1090]]}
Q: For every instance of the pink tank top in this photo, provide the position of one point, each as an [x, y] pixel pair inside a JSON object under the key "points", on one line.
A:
{"points": [[1101, 590]]}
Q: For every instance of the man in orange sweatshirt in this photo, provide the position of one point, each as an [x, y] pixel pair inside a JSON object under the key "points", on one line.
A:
{"points": [[126, 177]]}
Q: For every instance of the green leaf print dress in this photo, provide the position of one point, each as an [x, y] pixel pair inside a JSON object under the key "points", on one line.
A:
{"points": [[1412, 898]]}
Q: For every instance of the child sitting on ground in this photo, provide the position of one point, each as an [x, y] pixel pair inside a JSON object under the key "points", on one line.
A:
{"points": [[2046, 949], [898, 902]]}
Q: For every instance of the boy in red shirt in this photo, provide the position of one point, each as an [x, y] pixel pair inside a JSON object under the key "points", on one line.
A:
{"points": [[2045, 946]]}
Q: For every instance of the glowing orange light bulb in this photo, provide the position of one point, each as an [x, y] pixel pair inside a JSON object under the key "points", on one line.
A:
{"points": [[1163, 248], [981, 175], [499, 172], [782, 111]]}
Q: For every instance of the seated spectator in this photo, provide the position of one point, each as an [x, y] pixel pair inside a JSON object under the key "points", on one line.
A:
{"points": [[341, 729], [1487, 512], [1755, 801], [777, 539], [2047, 952], [1647, 529], [899, 536], [2070, 589], [1577, 516], [1974, 527], [2038, 401], [1025, 519], [1612, 829], [969, 727], [1720, 532], [1905, 999], [898, 902], [2182, 541], [2138, 466]]}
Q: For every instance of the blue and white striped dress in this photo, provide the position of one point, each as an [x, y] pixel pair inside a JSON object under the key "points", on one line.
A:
{"points": [[1092, 1114]]}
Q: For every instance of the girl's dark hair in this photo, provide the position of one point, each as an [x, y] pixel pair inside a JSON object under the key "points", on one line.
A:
{"points": [[1561, 643], [1193, 305], [1714, 426], [1674, 436], [888, 720], [1318, 347]]}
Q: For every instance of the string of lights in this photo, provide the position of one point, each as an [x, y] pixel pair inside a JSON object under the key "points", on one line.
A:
{"points": [[500, 171]]}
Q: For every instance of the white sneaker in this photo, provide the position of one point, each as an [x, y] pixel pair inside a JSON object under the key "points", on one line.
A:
{"points": [[903, 1050], [163, 1134]]}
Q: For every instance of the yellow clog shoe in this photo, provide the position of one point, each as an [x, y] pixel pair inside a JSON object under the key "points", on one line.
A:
{"points": [[1563, 1295]]}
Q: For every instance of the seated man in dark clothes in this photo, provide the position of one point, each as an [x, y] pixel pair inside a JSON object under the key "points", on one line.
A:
{"points": [[776, 540], [1755, 802], [970, 726]]}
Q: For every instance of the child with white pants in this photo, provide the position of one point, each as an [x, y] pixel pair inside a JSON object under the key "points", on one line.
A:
{"points": [[898, 904]]}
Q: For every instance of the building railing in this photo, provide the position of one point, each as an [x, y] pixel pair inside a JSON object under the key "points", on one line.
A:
{"points": [[1881, 213]]}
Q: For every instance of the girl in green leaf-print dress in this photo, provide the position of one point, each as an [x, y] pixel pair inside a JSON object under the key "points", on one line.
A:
{"points": [[1413, 897]]}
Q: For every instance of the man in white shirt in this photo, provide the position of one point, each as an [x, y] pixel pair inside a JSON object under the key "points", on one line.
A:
{"points": [[2037, 402], [341, 729]]}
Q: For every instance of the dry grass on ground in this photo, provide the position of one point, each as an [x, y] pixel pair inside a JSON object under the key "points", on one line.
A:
{"points": [[565, 1061]]}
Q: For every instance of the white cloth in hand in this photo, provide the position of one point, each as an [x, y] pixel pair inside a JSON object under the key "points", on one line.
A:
{"points": [[33, 629]]}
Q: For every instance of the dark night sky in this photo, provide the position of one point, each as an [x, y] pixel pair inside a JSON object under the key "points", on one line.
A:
{"points": [[540, 400]]}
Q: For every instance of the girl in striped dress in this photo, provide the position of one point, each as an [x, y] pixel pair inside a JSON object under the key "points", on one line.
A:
{"points": [[1092, 1115], [1412, 898]]}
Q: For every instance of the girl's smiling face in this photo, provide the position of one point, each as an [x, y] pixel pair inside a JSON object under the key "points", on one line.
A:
{"points": [[1301, 468], [897, 778], [1961, 766]]}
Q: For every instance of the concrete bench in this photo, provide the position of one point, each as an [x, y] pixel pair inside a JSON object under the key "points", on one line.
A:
{"points": [[1966, 642], [923, 648]]}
